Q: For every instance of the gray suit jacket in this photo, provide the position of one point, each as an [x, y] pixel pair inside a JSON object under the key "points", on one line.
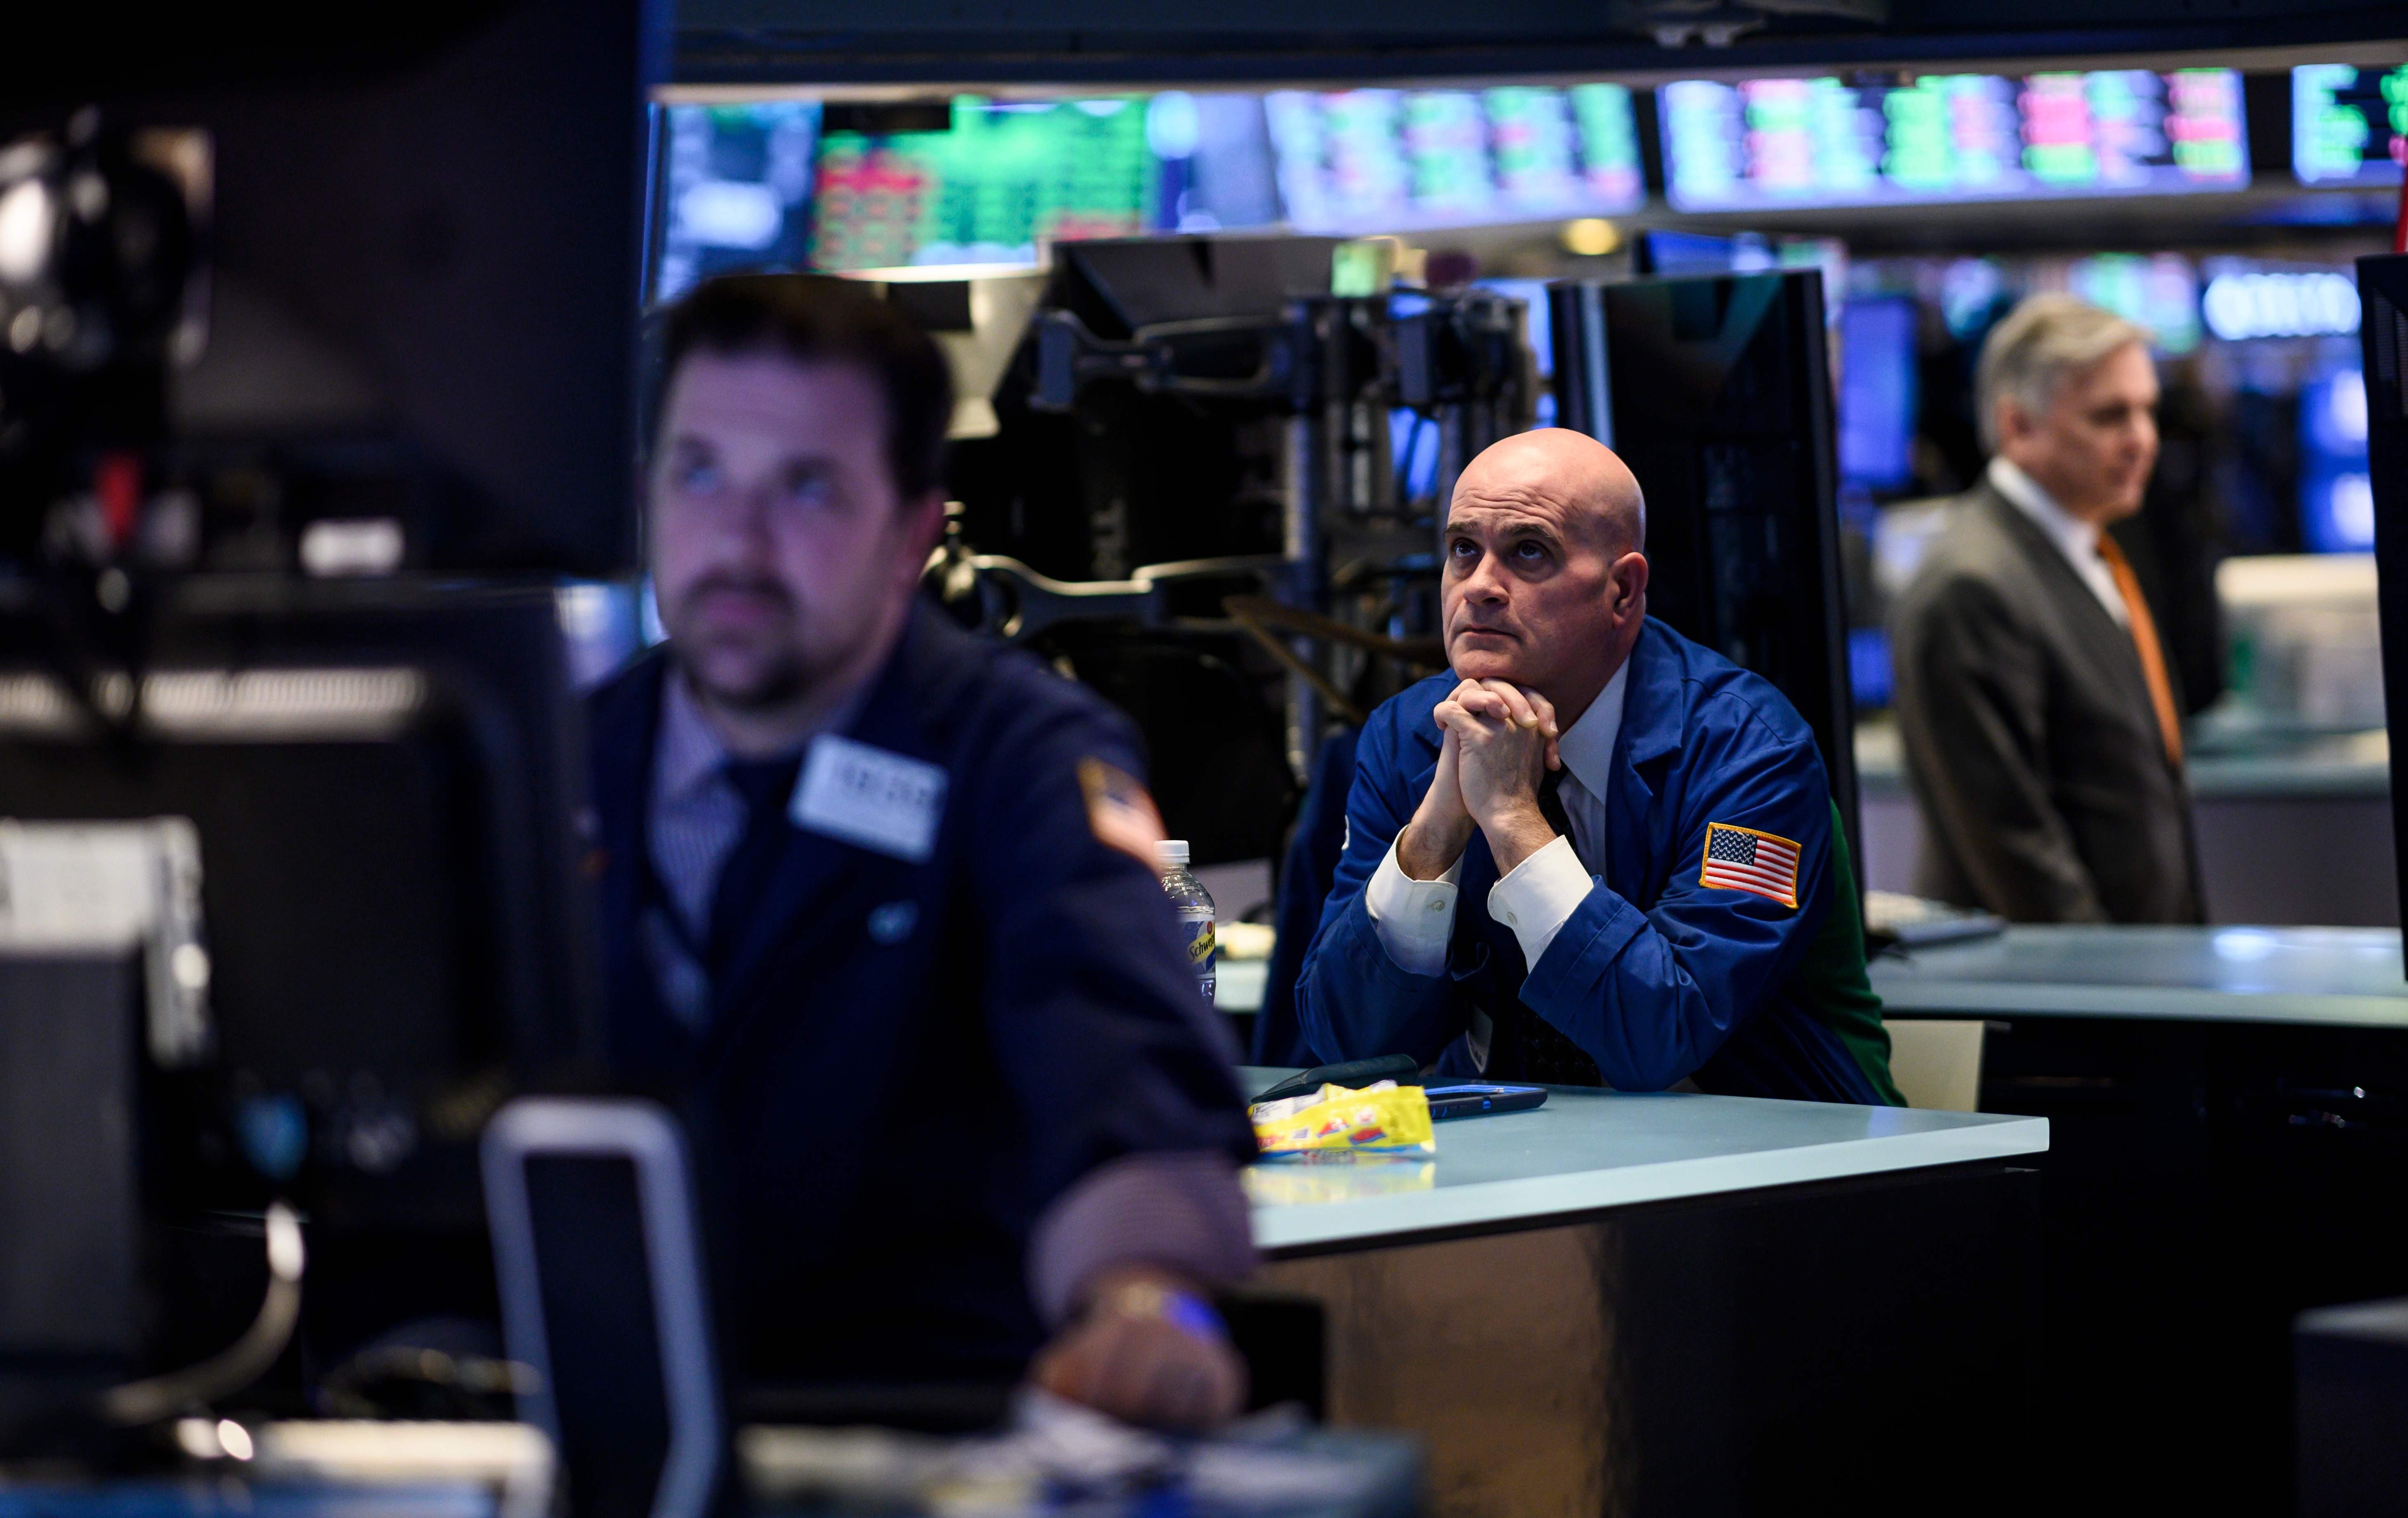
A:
{"points": [[2031, 742]]}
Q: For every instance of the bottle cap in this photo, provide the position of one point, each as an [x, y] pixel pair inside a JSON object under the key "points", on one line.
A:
{"points": [[1172, 854]]}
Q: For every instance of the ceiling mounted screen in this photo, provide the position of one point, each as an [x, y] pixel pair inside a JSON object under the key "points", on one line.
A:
{"points": [[1756, 145]]}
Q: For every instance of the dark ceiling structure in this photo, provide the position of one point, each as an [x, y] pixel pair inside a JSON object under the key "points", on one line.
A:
{"points": [[901, 42]]}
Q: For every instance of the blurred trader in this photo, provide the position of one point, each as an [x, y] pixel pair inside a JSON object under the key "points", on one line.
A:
{"points": [[2040, 714], [881, 913], [1643, 831]]}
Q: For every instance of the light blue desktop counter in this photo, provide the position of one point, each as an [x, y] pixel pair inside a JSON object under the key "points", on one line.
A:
{"points": [[1586, 1150], [2333, 977], [1620, 1303]]}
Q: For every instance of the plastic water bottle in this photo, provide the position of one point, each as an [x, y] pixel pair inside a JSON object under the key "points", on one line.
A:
{"points": [[1195, 907]]}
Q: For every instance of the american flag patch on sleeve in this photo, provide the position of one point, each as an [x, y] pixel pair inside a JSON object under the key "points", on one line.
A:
{"points": [[1743, 859], [1121, 811]]}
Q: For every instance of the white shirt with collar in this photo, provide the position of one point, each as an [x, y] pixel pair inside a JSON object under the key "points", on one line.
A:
{"points": [[2078, 540], [1415, 919]]}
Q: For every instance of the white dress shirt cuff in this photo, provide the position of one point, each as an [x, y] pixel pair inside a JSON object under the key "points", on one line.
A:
{"points": [[1414, 919], [1540, 896]]}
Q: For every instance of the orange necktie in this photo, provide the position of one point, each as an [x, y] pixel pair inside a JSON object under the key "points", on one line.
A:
{"points": [[2144, 638]]}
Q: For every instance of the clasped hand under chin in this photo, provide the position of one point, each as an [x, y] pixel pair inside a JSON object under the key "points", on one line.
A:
{"points": [[1497, 741]]}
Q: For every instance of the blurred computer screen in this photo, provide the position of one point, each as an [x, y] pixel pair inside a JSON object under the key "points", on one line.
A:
{"points": [[398, 328], [2349, 126]]}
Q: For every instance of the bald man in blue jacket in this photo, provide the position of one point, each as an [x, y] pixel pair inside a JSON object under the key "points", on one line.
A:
{"points": [[1594, 852]]}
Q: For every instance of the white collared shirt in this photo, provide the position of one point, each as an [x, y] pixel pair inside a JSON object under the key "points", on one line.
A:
{"points": [[1415, 919], [2076, 540]]}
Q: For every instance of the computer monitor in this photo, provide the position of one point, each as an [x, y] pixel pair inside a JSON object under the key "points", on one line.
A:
{"points": [[1004, 178], [2349, 126], [1384, 160], [2383, 289], [734, 192], [1716, 391], [1745, 145], [996, 181], [383, 780], [423, 261]]}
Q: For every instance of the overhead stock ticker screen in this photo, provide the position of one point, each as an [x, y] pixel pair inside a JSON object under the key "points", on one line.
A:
{"points": [[2349, 126], [1769, 144], [1363, 161], [1006, 177]]}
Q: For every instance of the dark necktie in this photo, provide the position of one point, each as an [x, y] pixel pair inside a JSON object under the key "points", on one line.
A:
{"points": [[1551, 806], [1544, 1054], [765, 785]]}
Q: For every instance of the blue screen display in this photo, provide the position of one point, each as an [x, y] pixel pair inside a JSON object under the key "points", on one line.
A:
{"points": [[1413, 441], [1532, 293], [2336, 492], [1869, 670], [1878, 393]]}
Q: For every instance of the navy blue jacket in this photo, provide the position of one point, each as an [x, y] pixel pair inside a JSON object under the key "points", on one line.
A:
{"points": [[1656, 976], [1305, 874], [880, 1114]]}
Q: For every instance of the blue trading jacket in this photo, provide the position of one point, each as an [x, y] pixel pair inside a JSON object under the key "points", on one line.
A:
{"points": [[1656, 976], [907, 1062], [1305, 874]]}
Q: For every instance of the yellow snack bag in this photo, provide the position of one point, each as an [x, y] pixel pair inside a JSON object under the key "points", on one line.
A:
{"points": [[1384, 1118]]}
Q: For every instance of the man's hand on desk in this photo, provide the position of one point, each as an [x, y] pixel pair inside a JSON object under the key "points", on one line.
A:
{"points": [[1496, 744], [1146, 1348]]}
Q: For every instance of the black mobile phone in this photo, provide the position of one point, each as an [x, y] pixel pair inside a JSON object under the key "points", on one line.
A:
{"points": [[1401, 1068], [1471, 1098]]}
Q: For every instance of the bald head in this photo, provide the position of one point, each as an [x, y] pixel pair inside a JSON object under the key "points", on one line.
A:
{"points": [[1544, 585], [1585, 483]]}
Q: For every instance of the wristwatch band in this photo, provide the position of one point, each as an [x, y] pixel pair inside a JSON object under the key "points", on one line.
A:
{"points": [[1183, 1310]]}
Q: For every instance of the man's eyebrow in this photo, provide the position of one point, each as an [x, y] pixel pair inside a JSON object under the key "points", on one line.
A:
{"points": [[810, 464], [1543, 532]]}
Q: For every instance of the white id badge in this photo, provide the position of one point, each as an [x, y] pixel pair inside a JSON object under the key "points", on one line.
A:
{"points": [[889, 802]]}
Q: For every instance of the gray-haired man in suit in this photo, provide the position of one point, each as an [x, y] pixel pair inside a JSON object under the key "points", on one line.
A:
{"points": [[2042, 723]]}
